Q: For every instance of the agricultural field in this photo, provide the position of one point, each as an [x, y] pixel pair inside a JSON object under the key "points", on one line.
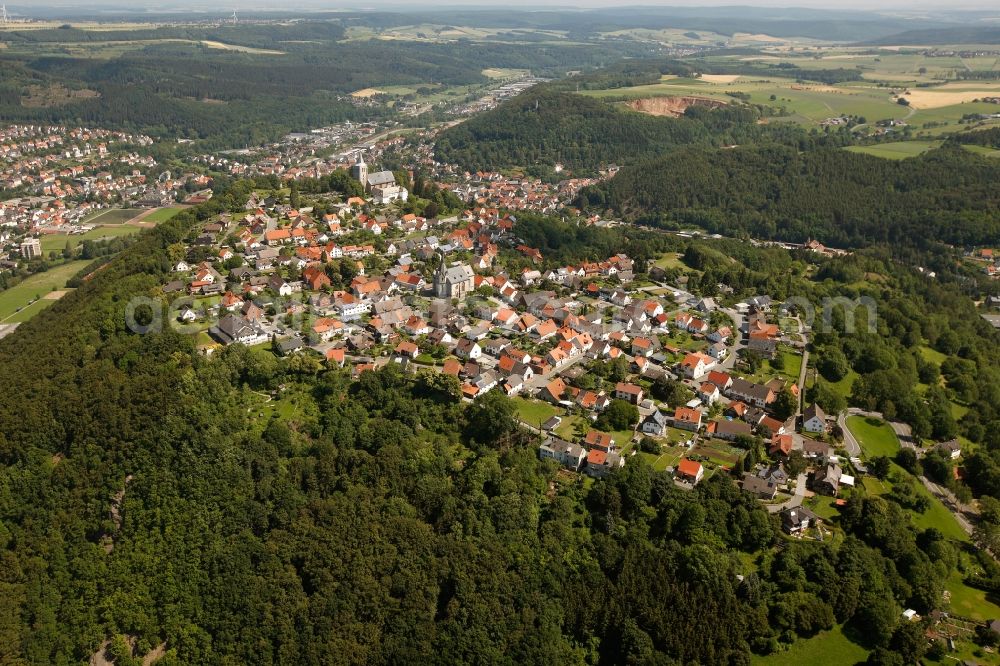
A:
{"points": [[115, 216], [941, 101], [14, 302], [897, 150], [983, 150]]}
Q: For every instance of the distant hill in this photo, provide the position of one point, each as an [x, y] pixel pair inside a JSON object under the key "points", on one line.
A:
{"points": [[841, 198], [543, 127], [940, 36]]}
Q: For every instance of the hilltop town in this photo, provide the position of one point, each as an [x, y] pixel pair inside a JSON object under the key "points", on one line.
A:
{"points": [[604, 359]]}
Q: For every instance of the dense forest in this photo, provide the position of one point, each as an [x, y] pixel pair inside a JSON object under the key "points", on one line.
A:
{"points": [[543, 127], [841, 198], [146, 497]]}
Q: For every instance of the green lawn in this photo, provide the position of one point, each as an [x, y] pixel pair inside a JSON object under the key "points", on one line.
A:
{"points": [[37, 285], [897, 150], [534, 411], [58, 241], [969, 601], [162, 215], [823, 506], [876, 439], [932, 355], [831, 648], [844, 386]]}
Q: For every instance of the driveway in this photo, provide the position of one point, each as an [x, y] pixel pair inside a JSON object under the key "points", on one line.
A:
{"points": [[795, 500]]}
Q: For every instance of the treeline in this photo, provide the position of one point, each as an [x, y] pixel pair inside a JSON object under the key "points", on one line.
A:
{"points": [[624, 74], [540, 128], [989, 137], [787, 70], [841, 198], [253, 35]]}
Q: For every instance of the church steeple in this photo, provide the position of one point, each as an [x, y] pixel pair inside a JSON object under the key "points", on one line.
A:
{"points": [[359, 170]]}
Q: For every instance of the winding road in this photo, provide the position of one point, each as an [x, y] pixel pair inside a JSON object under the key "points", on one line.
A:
{"points": [[905, 436]]}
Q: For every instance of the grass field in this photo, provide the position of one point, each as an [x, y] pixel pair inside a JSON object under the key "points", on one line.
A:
{"points": [[969, 601], [829, 648], [897, 150], [983, 150], [161, 215], [534, 411], [33, 287], [875, 439], [115, 216], [932, 355], [937, 516], [58, 241], [844, 386]]}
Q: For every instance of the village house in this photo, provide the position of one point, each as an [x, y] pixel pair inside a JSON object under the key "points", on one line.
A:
{"points": [[655, 424], [826, 480], [689, 471], [601, 463], [813, 419], [629, 392], [567, 454], [686, 418], [601, 441], [797, 519]]}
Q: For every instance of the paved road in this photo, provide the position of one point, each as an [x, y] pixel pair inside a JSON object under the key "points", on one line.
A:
{"points": [[802, 379], [959, 510], [795, 500], [850, 443], [7, 329]]}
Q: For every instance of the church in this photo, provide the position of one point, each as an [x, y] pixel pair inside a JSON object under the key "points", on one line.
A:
{"points": [[456, 281]]}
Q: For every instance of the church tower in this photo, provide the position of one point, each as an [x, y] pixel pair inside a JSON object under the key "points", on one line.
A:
{"points": [[441, 280], [359, 171]]}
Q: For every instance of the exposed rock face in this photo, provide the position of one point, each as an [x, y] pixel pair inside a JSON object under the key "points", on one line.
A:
{"points": [[671, 106]]}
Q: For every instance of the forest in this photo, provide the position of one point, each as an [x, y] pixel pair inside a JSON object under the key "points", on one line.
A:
{"points": [[843, 199], [148, 496], [171, 89], [544, 126]]}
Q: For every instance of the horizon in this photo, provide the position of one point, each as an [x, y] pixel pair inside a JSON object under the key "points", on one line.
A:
{"points": [[889, 7]]}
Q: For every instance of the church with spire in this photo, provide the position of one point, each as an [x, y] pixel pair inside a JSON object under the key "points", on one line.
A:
{"points": [[359, 170], [456, 281]]}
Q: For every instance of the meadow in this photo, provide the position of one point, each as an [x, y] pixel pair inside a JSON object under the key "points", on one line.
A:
{"points": [[828, 647], [896, 150], [56, 242], [37, 286]]}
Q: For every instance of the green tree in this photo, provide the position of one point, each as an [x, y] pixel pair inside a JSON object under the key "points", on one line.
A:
{"points": [[619, 415]]}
